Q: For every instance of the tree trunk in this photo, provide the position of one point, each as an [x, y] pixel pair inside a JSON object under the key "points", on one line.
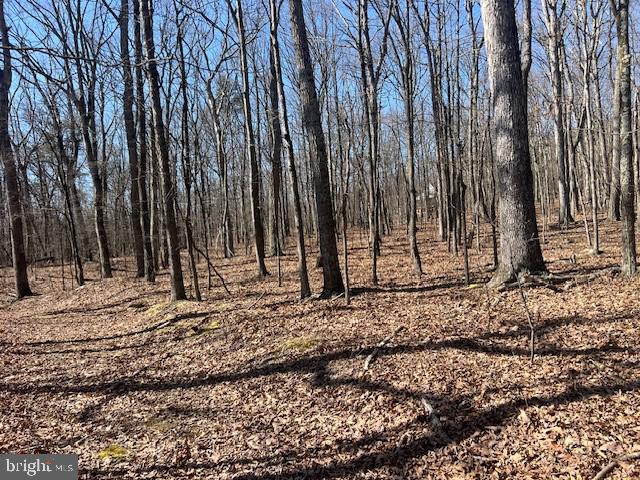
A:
{"points": [[175, 266], [186, 162], [256, 211], [519, 242], [318, 152], [627, 190], [130, 129], [145, 221], [305, 289], [554, 31], [276, 152], [8, 160]]}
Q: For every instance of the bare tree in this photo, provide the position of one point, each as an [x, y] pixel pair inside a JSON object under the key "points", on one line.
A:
{"points": [[8, 161], [553, 13], [318, 152], [130, 130], [175, 265], [406, 62], [620, 9], [274, 16], [250, 140], [145, 220]]}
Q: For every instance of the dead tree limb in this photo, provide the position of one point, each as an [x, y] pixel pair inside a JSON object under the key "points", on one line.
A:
{"points": [[607, 469], [380, 345], [206, 256]]}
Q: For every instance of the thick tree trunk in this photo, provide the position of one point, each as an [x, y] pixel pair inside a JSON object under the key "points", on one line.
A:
{"points": [[168, 191], [8, 160], [318, 153], [519, 243]]}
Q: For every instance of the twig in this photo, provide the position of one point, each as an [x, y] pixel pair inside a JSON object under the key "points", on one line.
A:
{"points": [[206, 256], [257, 300], [607, 469], [532, 333], [380, 345]]}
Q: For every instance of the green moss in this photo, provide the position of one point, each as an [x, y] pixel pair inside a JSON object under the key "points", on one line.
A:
{"points": [[114, 451], [158, 424], [212, 326], [299, 344], [157, 309]]}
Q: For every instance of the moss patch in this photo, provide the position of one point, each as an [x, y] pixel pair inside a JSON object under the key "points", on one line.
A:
{"points": [[113, 451], [158, 424], [157, 309], [212, 326], [299, 344]]}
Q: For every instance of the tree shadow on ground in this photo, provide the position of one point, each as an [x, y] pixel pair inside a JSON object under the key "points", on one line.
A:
{"points": [[312, 363], [151, 328], [382, 449]]}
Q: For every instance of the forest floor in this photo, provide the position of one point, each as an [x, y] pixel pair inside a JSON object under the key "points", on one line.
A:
{"points": [[258, 385]]}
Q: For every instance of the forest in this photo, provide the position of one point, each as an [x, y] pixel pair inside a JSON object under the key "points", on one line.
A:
{"points": [[320, 239]]}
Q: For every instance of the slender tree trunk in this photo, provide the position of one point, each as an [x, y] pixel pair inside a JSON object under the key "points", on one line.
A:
{"points": [[256, 211], [175, 265], [614, 186], [10, 174], [186, 163], [407, 74], [554, 31], [276, 152], [145, 221], [305, 289], [130, 129]]}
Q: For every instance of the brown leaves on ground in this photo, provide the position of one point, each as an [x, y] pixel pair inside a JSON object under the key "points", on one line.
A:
{"points": [[258, 385]]}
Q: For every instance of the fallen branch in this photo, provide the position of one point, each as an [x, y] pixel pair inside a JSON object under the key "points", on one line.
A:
{"points": [[257, 300], [380, 345], [607, 469], [550, 280]]}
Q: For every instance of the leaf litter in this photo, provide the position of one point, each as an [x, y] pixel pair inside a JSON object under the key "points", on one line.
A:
{"points": [[257, 385]]}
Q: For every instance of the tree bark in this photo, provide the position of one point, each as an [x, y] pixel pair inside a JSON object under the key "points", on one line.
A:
{"points": [[168, 191], [8, 160], [318, 153], [130, 130], [519, 242], [627, 190]]}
